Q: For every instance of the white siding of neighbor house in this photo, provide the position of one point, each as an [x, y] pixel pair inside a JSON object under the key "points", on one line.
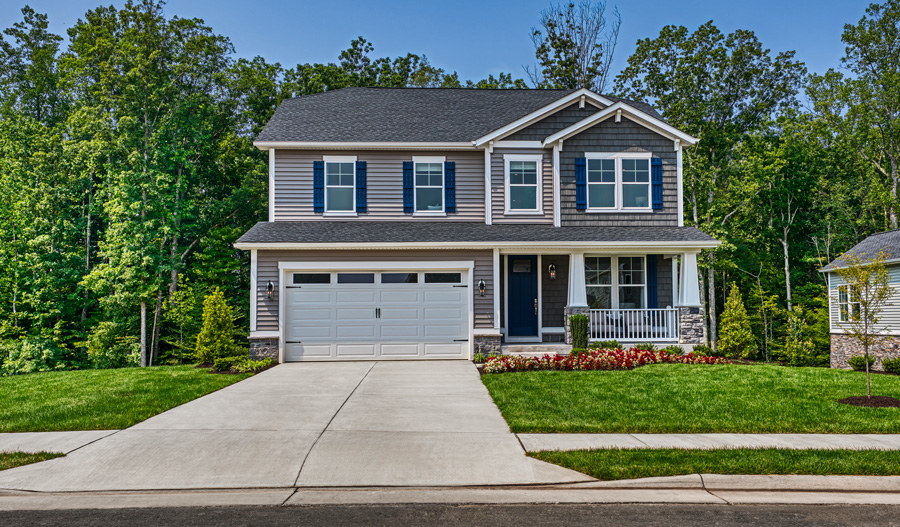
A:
{"points": [[889, 321]]}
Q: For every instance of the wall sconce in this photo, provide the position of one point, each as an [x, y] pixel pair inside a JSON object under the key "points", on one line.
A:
{"points": [[481, 287], [552, 270], [270, 290]]}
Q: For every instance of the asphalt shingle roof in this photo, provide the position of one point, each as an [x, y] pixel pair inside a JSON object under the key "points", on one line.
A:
{"points": [[406, 114], [888, 241], [448, 232]]}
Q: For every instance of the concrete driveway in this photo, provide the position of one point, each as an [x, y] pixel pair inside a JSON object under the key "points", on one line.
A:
{"points": [[311, 424]]}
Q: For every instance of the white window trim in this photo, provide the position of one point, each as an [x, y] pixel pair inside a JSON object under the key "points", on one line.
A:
{"points": [[618, 157], [539, 183], [614, 278], [431, 159], [339, 159], [849, 303]]}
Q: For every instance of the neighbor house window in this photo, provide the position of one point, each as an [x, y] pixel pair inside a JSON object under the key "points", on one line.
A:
{"points": [[618, 181], [429, 181], [340, 183], [623, 289], [523, 189], [848, 308]]}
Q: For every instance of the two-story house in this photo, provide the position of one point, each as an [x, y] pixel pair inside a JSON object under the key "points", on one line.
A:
{"points": [[434, 223]]}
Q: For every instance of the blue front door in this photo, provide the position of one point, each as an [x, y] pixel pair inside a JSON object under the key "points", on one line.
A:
{"points": [[523, 293]]}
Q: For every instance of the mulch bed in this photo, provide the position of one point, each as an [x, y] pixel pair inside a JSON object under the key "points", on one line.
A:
{"points": [[879, 401]]}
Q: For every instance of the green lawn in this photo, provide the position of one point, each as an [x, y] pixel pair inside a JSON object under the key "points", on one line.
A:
{"points": [[17, 459], [100, 399], [673, 398], [629, 464]]}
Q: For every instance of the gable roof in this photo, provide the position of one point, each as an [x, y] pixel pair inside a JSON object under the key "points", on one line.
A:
{"points": [[411, 115], [621, 107], [888, 241]]}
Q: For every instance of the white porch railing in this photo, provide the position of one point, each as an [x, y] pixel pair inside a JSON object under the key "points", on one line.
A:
{"points": [[634, 324]]}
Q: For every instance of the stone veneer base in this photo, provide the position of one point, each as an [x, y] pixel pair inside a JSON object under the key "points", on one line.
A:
{"points": [[843, 347], [487, 344], [691, 326], [264, 347]]}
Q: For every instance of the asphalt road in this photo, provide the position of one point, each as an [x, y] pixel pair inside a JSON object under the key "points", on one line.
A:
{"points": [[472, 515]]}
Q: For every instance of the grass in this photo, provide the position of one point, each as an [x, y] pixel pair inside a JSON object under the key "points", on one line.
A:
{"points": [[100, 399], [17, 459], [629, 464], [682, 398]]}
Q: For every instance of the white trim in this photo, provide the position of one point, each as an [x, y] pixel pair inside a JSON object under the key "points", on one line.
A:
{"points": [[441, 160], [538, 160], [480, 332], [363, 145], [264, 334], [540, 113], [689, 282], [338, 159], [540, 300], [675, 279], [618, 157], [254, 293], [272, 185], [634, 114], [531, 245], [577, 296], [487, 187], [556, 199], [554, 330], [505, 295], [518, 144], [496, 291], [680, 177]]}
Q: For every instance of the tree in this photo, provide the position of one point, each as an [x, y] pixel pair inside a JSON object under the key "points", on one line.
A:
{"points": [[574, 46], [736, 339], [215, 339], [865, 108], [869, 291]]}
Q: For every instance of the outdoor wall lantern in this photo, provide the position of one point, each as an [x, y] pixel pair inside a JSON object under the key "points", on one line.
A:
{"points": [[552, 270], [481, 287], [270, 290]]}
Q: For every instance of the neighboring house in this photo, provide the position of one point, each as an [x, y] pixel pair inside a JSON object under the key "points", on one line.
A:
{"points": [[841, 305], [434, 223]]}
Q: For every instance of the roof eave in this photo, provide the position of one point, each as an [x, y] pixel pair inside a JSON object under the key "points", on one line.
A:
{"points": [[573, 245], [364, 145]]}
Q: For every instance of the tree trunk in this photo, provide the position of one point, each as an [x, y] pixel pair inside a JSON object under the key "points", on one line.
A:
{"points": [[895, 178], [143, 334], [154, 341], [711, 300], [787, 271]]}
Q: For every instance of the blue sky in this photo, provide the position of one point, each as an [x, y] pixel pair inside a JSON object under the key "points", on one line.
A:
{"points": [[475, 38]]}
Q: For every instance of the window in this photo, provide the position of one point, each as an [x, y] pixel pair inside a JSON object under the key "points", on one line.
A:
{"points": [[356, 278], [340, 179], [312, 278], [443, 278], [618, 181], [429, 182], [624, 289], [523, 189], [399, 278], [848, 308]]}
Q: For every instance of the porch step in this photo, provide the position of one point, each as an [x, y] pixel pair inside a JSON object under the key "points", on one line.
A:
{"points": [[535, 350]]}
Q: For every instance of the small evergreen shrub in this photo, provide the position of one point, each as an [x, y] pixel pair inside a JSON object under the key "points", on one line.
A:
{"points": [[799, 346], [858, 362], [478, 358], [607, 345], [646, 346], [703, 350], [215, 339], [674, 349], [252, 366], [891, 365], [735, 336], [108, 347], [578, 324], [227, 363]]}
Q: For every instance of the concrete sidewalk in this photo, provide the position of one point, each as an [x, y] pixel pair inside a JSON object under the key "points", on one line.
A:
{"points": [[64, 442], [565, 442]]}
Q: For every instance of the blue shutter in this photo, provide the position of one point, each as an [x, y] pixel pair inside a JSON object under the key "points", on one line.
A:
{"points": [[652, 287], [318, 187], [360, 186], [580, 183], [656, 179], [450, 186], [408, 187]]}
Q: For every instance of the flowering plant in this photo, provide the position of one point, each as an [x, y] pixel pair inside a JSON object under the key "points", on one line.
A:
{"points": [[594, 359]]}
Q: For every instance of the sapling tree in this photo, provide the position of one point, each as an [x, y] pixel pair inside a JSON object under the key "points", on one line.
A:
{"points": [[868, 292]]}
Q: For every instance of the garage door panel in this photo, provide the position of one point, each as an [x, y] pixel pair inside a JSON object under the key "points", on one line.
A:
{"points": [[299, 351], [345, 313], [444, 295], [443, 313], [308, 333], [399, 331], [348, 331], [400, 350], [356, 296], [356, 350], [310, 297], [445, 349], [449, 331], [389, 314], [399, 297], [303, 316]]}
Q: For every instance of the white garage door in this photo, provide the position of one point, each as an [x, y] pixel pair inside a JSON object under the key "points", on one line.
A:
{"points": [[366, 315]]}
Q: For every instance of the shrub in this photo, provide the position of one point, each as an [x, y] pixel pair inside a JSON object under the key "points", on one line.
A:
{"points": [[593, 360], [31, 355], [578, 324], [674, 349], [735, 336], [703, 350], [252, 366], [216, 335], [799, 346], [858, 362], [478, 358], [578, 351], [891, 365], [646, 346], [227, 363], [606, 345], [107, 347]]}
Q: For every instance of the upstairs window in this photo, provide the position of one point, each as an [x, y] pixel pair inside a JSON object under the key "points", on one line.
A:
{"points": [[523, 189], [429, 181], [848, 306], [618, 182], [340, 184]]}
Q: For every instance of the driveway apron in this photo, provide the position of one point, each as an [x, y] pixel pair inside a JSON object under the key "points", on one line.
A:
{"points": [[311, 424]]}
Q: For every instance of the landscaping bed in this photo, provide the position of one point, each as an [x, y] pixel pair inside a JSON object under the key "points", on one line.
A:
{"points": [[646, 463], [17, 459], [100, 399], [686, 398]]}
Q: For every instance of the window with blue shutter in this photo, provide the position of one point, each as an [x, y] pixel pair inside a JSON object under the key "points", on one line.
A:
{"points": [[360, 186], [450, 186], [652, 283], [656, 181], [580, 184], [319, 187], [408, 188]]}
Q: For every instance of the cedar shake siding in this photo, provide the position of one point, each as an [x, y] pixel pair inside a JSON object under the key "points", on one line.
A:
{"points": [[384, 182], [610, 137], [554, 293], [553, 123], [267, 269], [498, 186], [664, 282]]}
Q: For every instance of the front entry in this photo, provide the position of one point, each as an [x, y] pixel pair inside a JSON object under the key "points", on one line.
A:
{"points": [[522, 299]]}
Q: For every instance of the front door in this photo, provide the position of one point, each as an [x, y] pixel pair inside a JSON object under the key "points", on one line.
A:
{"points": [[522, 302]]}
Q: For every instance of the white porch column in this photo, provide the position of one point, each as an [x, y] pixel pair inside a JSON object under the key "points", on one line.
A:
{"points": [[253, 287], [577, 290], [271, 184], [496, 288], [689, 286]]}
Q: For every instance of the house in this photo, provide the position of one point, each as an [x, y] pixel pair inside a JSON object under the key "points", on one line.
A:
{"points": [[841, 305], [434, 223]]}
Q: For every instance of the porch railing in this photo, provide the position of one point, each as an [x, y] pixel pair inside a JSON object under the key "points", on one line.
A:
{"points": [[634, 324]]}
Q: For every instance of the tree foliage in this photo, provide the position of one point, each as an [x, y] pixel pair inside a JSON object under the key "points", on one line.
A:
{"points": [[736, 339]]}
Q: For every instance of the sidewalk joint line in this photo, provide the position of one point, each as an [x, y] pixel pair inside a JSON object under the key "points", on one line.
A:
{"points": [[633, 436], [114, 432]]}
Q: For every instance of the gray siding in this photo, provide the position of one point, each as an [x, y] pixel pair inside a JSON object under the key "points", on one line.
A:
{"points": [[888, 322], [625, 136], [664, 282], [384, 182], [267, 269], [498, 187], [553, 123], [554, 293]]}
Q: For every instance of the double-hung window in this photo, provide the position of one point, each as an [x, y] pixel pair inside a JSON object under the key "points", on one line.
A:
{"points": [[848, 306], [523, 183], [340, 185], [618, 181], [429, 182], [623, 289]]}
